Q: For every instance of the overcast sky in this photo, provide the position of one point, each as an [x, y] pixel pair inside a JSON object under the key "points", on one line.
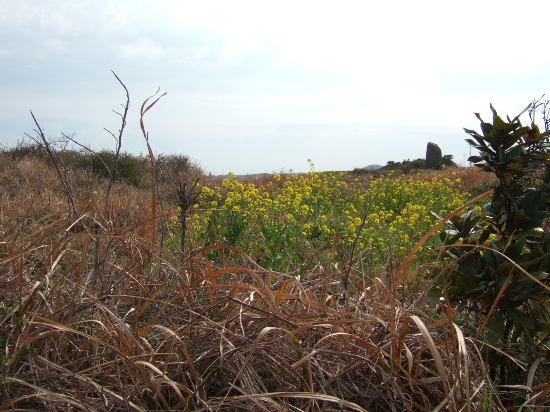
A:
{"points": [[262, 86]]}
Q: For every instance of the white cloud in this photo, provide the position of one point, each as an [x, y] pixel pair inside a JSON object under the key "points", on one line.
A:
{"points": [[373, 36], [141, 48], [305, 73]]}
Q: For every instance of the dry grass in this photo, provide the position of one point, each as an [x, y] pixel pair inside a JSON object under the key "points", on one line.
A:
{"points": [[95, 318], [474, 181]]}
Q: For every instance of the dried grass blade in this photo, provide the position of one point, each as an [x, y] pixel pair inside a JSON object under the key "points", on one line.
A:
{"points": [[41, 391], [454, 342], [100, 388], [281, 291], [463, 349], [433, 349], [531, 374], [295, 341], [379, 360], [169, 381], [122, 326], [187, 356], [298, 395]]}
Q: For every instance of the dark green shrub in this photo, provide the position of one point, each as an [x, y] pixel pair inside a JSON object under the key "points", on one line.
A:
{"points": [[497, 267], [448, 161], [25, 148], [418, 163], [130, 169]]}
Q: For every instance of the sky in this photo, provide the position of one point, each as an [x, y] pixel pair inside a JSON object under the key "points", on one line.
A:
{"points": [[262, 86]]}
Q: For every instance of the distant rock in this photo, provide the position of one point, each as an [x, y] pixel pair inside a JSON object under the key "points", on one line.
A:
{"points": [[434, 157], [251, 176], [372, 167]]}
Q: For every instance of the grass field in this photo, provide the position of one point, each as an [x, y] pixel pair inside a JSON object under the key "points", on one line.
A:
{"points": [[293, 292]]}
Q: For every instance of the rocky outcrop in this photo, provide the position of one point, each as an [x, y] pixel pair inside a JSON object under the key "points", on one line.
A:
{"points": [[434, 157]]}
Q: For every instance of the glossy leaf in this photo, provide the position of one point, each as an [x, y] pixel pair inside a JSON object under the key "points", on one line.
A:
{"points": [[514, 250]]}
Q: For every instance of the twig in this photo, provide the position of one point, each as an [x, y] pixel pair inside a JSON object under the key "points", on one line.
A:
{"points": [[186, 201], [118, 144], [55, 159], [153, 167]]}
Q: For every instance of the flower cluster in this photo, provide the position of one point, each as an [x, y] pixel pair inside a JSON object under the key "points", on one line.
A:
{"points": [[288, 219]]}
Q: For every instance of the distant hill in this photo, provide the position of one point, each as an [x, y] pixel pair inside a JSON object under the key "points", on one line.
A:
{"points": [[251, 176], [372, 167]]}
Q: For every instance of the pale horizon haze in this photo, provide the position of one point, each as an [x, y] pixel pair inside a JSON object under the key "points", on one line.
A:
{"points": [[262, 86]]}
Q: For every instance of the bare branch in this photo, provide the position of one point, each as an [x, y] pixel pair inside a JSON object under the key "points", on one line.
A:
{"points": [[112, 175], [56, 162], [153, 169], [89, 150]]}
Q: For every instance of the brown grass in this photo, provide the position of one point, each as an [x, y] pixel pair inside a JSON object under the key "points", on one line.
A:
{"points": [[474, 180], [126, 327]]}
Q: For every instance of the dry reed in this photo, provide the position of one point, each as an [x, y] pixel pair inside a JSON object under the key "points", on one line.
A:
{"points": [[146, 332]]}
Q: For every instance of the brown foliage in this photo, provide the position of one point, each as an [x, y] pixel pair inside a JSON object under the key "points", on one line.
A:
{"points": [[146, 332]]}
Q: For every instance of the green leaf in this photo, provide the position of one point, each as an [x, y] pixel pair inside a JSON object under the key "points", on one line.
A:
{"points": [[525, 295], [531, 224], [514, 250], [471, 225], [543, 313], [527, 264], [512, 139], [439, 217], [454, 293], [435, 272], [519, 219], [513, 153], [486, 150], [527, 282], [468, 284], [521, 132], [435, 293], [521, 318], [486, 128], [495, 327], [480, 140], [531, 201], [466, 217], [470, 265], [501, 153], [493, 110], [456, 222], [490, 259], [543, 327], [502, 128], [505, 267]]}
